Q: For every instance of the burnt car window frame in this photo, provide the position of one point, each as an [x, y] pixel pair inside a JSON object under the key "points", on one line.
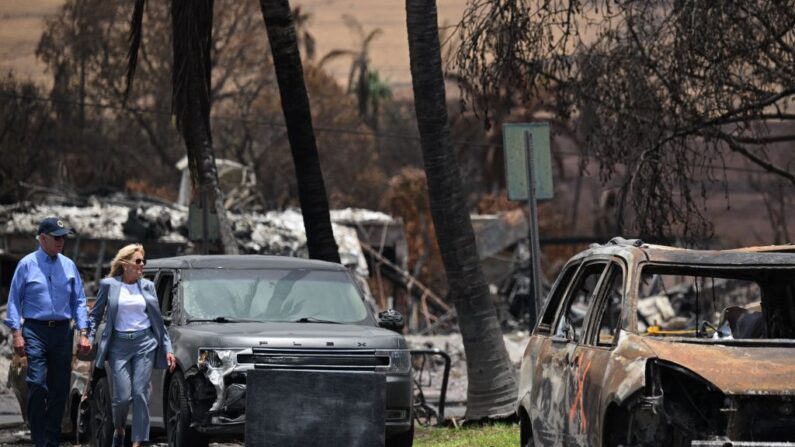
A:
{"points": [[605, 260], [596, 313], [557, 297], [751, 271]]}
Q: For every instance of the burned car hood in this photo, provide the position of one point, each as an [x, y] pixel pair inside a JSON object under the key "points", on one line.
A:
{"points": [[738, 368], [292, 335]]}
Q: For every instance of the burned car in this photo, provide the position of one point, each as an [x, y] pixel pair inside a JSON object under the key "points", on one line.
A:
{"points": [[227, 315], [81, 369], [649, 345]]}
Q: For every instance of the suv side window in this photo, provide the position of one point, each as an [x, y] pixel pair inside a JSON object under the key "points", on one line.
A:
{"points": [[609, 318], [556, 299], [165, 286], [580, 296]]}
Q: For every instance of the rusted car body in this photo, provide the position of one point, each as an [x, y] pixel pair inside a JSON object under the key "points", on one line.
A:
{"points": [[650, 345]]}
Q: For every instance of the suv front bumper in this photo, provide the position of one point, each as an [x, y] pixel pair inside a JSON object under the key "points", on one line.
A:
{"points": [[227, 415]]}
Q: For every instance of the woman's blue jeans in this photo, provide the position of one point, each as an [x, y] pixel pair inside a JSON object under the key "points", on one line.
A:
{"points": [[131, 356]]}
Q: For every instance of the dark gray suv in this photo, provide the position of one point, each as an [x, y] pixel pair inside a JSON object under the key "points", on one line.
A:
{"points": [[230, 314]]}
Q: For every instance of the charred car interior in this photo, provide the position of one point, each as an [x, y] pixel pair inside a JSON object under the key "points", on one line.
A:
{"points": [[650, 345]]}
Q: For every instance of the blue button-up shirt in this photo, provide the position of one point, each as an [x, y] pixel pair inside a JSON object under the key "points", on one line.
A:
{"points": [[46, 288]]}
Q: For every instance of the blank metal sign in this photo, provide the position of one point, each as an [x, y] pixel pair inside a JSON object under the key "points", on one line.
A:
{"points": [[302, 408]]}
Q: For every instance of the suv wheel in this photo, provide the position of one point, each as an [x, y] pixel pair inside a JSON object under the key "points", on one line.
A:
{"points": [[404, 439], [178, 429], [101, 415]]}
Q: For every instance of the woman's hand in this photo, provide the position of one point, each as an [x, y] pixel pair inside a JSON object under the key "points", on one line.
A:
{"points": [[172, 361]]}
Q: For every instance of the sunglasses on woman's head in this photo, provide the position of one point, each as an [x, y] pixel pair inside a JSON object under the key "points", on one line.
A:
{"points": [[140, 261]]}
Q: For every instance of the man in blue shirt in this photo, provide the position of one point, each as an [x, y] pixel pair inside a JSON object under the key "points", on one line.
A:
{"points": [[46, 295]]}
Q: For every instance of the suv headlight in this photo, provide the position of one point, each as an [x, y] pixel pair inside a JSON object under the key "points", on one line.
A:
{"points": [[399, 361], [217, 358], [217, 363]]}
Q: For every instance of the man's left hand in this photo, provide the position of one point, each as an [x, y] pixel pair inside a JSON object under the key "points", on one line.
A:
{"points": [[83, 346]]}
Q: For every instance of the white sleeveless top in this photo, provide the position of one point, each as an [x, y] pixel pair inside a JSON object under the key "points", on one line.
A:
{"points": [[131, 313]]}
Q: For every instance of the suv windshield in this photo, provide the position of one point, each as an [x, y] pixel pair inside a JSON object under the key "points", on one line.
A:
{"points": [[272, 295], [753, 302]]}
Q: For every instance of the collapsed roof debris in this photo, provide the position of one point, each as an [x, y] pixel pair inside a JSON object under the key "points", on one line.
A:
{"points": [[282, 233], [275, 232], [105, 225], [97, 221], [371, 243]]}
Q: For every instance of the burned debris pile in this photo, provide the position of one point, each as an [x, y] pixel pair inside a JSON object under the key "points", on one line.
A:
{"points": [[104, 225], [371, 243]]}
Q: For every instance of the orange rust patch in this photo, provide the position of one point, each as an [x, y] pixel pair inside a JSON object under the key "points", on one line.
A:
{"points": [[578, 405]]}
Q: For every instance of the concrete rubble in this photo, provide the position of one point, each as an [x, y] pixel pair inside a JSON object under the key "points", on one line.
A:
{"points": [[274, 232]]}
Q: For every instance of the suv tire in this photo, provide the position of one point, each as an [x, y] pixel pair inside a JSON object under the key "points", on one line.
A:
{"points": [[101, 414], [405, 439], [178, 429]]}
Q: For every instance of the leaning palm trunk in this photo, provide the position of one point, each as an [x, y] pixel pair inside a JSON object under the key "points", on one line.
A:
{"points": [[192, 32], [295, 105], [492, 381]]}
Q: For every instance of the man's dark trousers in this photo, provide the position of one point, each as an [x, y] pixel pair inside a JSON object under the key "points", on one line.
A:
{"points": [[49, 352]]}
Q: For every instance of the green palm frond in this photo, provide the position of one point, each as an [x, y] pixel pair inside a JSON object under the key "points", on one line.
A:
{"points": [[378, 89]]}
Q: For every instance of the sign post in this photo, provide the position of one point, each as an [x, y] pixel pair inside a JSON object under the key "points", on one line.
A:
{"points": [[528, 171]]}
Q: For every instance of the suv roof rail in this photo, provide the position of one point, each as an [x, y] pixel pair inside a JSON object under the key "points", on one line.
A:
{"points": [[618, 240]]}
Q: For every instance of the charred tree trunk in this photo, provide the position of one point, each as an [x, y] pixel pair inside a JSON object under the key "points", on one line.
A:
{"points": [[492, 382], [192, 37], [280, 23]]}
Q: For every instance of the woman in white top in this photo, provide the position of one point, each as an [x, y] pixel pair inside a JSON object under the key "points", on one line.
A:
{"points": [[134, 340]]}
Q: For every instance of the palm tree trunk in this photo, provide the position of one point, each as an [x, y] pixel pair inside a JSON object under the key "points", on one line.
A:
{"points": [[492, 381], [192, 35], [295, 104]]}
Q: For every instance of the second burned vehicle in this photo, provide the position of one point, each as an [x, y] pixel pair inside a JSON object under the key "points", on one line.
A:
{"points": [[230, 314], [650, 345]]}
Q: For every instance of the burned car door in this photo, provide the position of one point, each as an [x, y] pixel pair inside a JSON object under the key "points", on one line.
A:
{"points": [[164, 285], [531, 391], [551, 394], [590, 363]]}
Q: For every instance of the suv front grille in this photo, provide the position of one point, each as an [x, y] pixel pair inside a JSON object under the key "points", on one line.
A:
{"points": [[315, 359]]}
